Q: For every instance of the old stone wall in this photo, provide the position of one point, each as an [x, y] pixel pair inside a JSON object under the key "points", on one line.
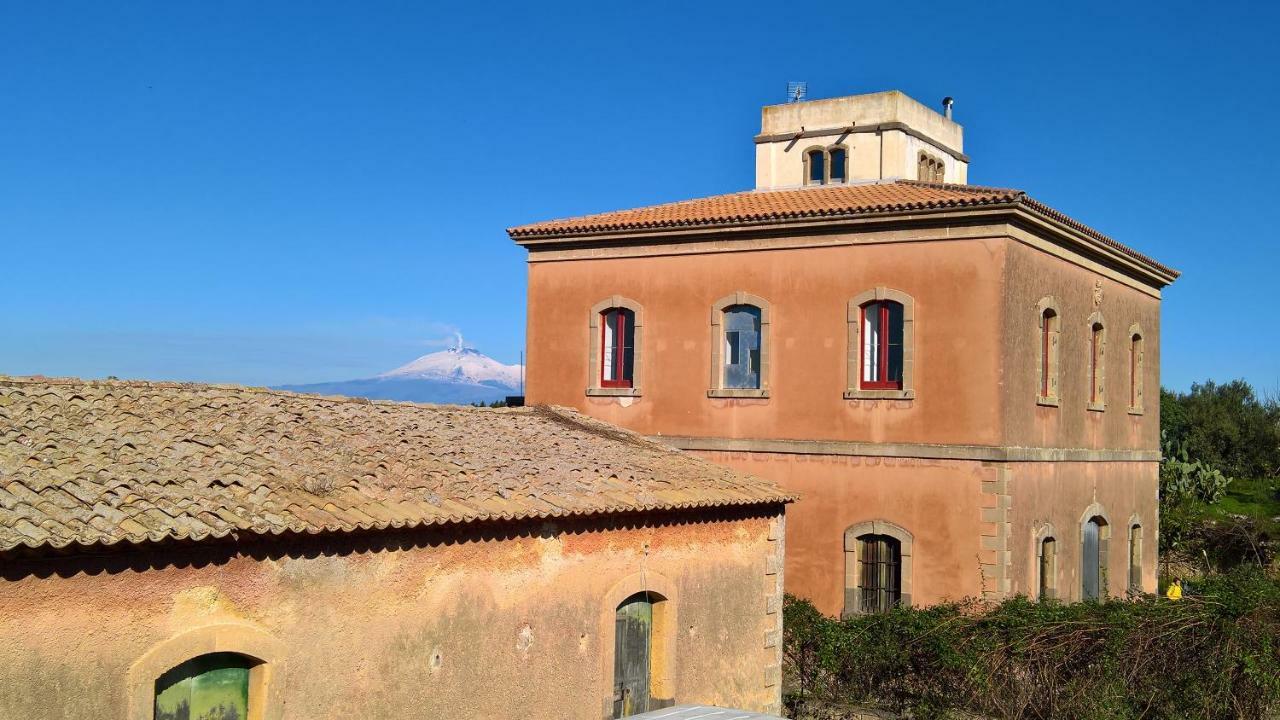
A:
{"points": [[500, 621]]}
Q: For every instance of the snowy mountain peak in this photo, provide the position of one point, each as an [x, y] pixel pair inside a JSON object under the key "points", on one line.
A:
{"points": [[459, 364]]}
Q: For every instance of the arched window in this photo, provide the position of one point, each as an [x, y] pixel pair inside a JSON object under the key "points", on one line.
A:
{"points": [[930, 169], [1136, 369], [1135, 558], [209, 687], [1097, 363], [877, 567], [740, 347], [1094, 536], [882, 345], [617, 347], [815, 166], [838, 159], [1047, 347], [1048, 557], [616, 327]]}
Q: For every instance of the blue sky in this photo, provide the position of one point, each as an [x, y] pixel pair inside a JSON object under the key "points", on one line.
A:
{"points": [[264, 192]]}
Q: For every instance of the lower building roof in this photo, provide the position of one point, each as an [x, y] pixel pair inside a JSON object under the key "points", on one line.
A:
{"points": [[101, 462]]}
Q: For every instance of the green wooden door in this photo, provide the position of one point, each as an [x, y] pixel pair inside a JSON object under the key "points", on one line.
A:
{"points": [[632, 645], [210, 687]]}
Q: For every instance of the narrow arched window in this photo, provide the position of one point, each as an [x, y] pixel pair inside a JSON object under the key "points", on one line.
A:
{"points": [[838, 158], [817, 166], [1097, 359], [879, 572], [1048, 552], [1135, 558], [617, 347], [1093, 558], [1048, 355], [209, 687], [742, 347], [1136, 371], [882, 345]]}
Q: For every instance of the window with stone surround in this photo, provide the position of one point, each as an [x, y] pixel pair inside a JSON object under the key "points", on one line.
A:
{"points": [[616, 329], [1048, 333], [740, 347], [1136, 369], [1097, 362], [877, 567], [1135, 557], [881, 345], [826, 165], [1095, 538], [1048, 562]]}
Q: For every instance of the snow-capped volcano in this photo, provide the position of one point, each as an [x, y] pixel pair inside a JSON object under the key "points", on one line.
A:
{"points": [[458, 375], [458, 364]]}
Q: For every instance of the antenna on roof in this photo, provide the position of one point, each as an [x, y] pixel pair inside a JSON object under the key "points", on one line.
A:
{"points": [[796, 91]]}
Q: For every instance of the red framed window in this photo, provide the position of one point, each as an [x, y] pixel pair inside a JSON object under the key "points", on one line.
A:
{"points": [[1135, 369], [882, 331], [617, 348]]}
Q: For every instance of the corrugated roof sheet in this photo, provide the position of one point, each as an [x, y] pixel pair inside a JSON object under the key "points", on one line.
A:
{"points": [[100, 462], [809, 204]]}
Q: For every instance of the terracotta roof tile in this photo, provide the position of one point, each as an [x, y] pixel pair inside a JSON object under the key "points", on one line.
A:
{"points": [[203, 461], [809, 204]]}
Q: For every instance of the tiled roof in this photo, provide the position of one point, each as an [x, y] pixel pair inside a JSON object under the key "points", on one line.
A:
{"points": [[99, 462], [807, 205]]}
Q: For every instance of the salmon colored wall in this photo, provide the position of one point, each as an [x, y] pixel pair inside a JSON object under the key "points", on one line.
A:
{"points": [[1059, 493], [955, 284], [435, 624], [936, 501], [1032, 274]]}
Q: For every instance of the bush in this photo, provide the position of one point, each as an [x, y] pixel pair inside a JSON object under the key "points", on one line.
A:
{"points": [[1211, 655], [1226, 426]]}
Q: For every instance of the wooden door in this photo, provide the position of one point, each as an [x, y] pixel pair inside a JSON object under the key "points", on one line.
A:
{"points": [[632, 648]]}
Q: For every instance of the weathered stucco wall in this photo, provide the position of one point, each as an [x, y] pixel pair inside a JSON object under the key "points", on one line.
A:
{"points": [[955, 285], [1030, 275], [502, 622], [938, 502], [1057, 498]]}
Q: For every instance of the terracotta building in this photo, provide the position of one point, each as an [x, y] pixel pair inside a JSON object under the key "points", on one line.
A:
{"points": [[187, 551], [960, 382]]}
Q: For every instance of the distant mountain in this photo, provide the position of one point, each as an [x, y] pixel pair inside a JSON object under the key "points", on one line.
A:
{"points": [[459, 376]]}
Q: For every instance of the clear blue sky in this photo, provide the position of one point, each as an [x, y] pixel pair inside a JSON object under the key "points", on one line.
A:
{"points": [[265, 192]]}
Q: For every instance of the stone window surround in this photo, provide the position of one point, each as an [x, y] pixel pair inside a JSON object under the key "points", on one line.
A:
{"points": [[1045, 532], [1048, 303], [1137, 340], [853, 598], [1096, 510], [718, 390], [665, 634], [826, 163], [853, 361], [1135, 546], [1097, 374], [266, 696], [594, 350]]}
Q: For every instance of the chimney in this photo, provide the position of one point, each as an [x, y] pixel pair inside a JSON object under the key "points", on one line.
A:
{"points": [[946, 106]]}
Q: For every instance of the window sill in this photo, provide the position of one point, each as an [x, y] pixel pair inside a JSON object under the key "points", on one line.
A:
{"points": [[613, 392], [1096, 407], [737, 393], [854, 394], [1047, 401], [1136, 411]]}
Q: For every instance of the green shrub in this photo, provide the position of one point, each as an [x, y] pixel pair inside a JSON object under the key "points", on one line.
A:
{"points": [[1212, 655]]}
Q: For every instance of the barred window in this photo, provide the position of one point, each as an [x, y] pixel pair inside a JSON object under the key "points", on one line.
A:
{"points": [[879, 572]]}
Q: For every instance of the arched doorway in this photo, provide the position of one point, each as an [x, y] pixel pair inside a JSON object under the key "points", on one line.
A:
{"points": [[633, 655], [208, 687], [1094, 536]]}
